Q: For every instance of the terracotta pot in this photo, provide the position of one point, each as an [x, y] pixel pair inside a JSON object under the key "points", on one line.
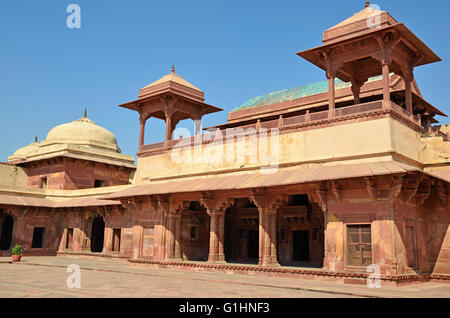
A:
{"points": [[16, 258]]}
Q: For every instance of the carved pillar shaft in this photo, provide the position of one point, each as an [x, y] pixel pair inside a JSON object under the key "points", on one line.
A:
{"points": [[138, 235], [356, 89], [221, 236], [198, 125], [386, 84], [331, 95], [408, 91], [168, 129], [177, 227], [170, 242], [268, 238], [216, 237], [273, 238], [262, 236], [142, 133]]}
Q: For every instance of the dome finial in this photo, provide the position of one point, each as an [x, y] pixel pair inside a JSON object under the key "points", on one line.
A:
{"points": [[173, 69], [367, 3], [85, 112]]}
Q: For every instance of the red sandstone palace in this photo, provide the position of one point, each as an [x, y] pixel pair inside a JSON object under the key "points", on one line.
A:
{"points": [[358, 174]]}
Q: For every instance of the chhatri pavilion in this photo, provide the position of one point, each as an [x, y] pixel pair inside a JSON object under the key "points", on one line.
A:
{"points": [[319, 181]]}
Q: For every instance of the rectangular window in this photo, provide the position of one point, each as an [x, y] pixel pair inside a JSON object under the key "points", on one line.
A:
{"points": [[69, 240], [116, 240], [44, 183], [359, 245], [99, 183], [38, 237]]}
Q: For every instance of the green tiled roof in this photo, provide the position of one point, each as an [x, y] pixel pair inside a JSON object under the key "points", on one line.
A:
{"points": [[295, 93]]}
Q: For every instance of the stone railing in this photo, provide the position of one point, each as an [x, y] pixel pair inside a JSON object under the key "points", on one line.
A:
{"points": [[314, 119]]}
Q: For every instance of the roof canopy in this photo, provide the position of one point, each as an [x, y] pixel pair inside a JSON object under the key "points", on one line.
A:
{"points": [[186, 100], [353, 49]]}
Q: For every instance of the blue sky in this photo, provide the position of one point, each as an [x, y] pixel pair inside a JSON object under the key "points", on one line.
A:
{"points": [[232, 50]]}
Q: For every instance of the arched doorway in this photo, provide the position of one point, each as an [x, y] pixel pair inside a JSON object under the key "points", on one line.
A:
{"points": [[97, 235], [6, 234]]}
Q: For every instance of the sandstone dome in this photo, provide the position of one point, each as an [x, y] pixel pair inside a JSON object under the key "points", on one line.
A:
{"points": [[83, 132], [25, 151]]}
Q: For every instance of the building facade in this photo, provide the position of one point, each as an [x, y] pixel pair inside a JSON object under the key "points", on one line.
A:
{"points": [[333, 180]]}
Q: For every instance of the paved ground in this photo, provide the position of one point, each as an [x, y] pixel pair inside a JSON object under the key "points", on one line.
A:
{"points": [[47, 276]]}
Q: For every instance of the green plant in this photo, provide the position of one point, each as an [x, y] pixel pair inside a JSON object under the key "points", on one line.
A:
{"points": [[17, 250]]}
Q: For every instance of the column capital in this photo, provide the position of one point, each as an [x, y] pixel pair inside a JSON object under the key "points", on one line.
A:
{"points": [[215, 204], [268, 202]]}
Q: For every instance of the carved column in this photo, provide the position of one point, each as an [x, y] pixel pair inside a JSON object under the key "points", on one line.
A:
{"points": [[198, 124], [142, 121], [168, 128], [168, 101], [170, 241], [356, 89], [216, 208], [268, 205], [331, 94], [387, 42], [216, 239], [137, 244], [386, 84], [408, 76], [177, 226]]}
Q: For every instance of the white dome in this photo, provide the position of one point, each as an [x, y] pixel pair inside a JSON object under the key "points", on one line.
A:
{"points": [[84, 132]]}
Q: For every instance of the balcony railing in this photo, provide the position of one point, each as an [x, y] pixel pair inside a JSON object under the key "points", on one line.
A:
{"points": [[309, 119]]}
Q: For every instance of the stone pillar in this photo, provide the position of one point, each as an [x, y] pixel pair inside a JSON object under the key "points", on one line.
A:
{"points": [[138, 235], [173, 241], [168, 129], [216, 237], [334, 246], [142, 132], [268, 238], [273, 223], [408, 77], [170, 241], [386, 84], [198, 124], [177, 227], [331, 94], [356, 89], [268, 204]]}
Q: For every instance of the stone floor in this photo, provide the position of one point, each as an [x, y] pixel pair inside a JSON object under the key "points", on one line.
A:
{"points": [[46, 277]]}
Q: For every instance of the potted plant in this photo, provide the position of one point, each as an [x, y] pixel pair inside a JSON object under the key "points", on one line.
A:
{"points": [[17, 253]]}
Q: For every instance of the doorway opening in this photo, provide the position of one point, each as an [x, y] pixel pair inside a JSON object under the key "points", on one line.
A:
{"points": [[300, 246], [97, 235], [253, 245], [6, 234], [116, 240], [242, 233], [69, 239], [38, 237]]}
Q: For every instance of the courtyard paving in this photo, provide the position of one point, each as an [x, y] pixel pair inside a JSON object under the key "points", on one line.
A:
{"points": [[47, 276]]}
